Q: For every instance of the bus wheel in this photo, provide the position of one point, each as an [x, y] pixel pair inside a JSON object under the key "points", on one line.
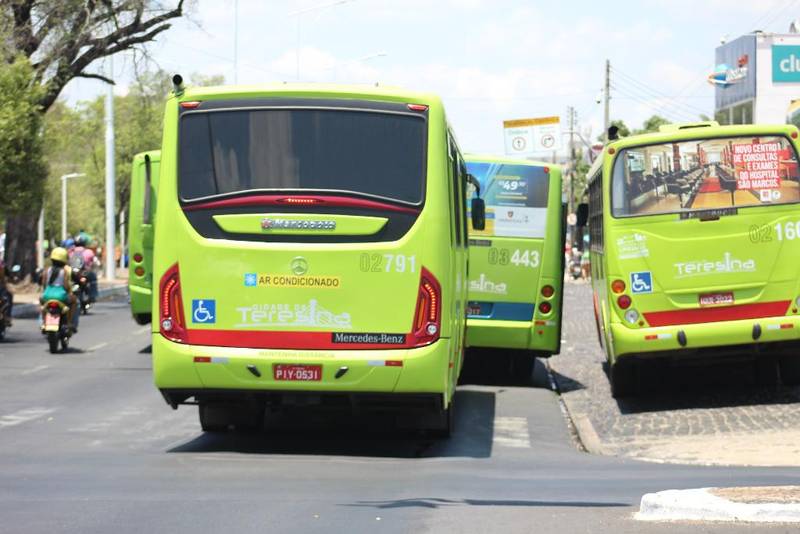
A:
{"points": [[790, 370], [623, 379], [522, 364], [445, 423], [214, 417], [766, 371]]}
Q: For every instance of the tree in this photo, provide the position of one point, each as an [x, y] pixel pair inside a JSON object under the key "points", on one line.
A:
{"points": [[623, 129], [60, 40], [652, 124]]}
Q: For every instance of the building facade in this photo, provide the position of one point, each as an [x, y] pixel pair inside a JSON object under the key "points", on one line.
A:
{"points": [[757, 76]]}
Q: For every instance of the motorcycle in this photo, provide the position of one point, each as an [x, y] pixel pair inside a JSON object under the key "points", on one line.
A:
{"points": [[3, 316], [55, 325], [81, 286], [575, 264]]}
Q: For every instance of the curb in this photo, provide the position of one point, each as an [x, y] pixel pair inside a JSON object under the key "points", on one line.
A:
{"points": [[701, 505], [30, 310]]}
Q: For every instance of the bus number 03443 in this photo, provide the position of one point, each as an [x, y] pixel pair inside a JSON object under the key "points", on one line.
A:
{"points": [[520, 258]]}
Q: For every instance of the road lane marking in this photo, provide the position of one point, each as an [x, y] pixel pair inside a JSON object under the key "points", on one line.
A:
{"points": [[512, 432], [97, 347], [35, 369], [142, 330], [23, 416]]}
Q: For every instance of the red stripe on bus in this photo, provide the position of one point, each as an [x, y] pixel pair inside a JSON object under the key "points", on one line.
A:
{"points": [[310, 200], [251, 339], [715, 315]]}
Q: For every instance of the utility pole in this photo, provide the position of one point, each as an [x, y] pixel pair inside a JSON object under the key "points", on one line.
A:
{"points": [[606, 98], [235, 41], [572, 163], [110, 265]]}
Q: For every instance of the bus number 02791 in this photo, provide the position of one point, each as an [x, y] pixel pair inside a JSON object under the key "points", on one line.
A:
{"points": [[520, 258], [388, 263]]}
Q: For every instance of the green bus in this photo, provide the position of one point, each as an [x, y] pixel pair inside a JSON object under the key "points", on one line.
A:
{"points": [[695, 232], [311, 249], [141, 221], [517, 261]]}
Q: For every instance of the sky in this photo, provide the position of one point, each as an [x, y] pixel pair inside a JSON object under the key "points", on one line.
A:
{"points": [[489, 60]]}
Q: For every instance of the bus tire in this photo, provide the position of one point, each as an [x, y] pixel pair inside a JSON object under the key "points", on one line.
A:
{"points": [[522, 364], [623, 380], [142, 318], [767, 371], [790, 370], [214, 417], [445, 423]]}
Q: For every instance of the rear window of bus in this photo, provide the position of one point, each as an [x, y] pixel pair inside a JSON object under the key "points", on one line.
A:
{"points": [[705, 174], [369, 153], [515, 196]]}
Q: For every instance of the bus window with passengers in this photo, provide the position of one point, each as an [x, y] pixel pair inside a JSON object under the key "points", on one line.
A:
{"points": [[695, 233], [310, 249], [144, 184], [517, 261]]}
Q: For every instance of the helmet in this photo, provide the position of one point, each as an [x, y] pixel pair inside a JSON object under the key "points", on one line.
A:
{"points": [[59, 254], [68, 243]]}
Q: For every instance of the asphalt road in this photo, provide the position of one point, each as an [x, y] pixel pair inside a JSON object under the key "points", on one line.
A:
{"points": [[88, 445]]}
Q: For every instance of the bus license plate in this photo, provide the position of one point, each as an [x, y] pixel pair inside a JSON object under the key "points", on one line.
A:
{"points": [[716, 299], [297, 373]]}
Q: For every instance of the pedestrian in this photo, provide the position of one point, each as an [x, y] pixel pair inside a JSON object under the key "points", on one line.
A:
{"points": [[6, 297]]}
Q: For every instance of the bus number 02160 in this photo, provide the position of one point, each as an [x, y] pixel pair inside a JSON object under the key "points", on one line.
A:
{"points": [[520, 258], [788, 231]]}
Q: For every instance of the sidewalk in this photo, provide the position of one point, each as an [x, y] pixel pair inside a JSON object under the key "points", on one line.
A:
{"points": [[26, 296], [764, 504]]}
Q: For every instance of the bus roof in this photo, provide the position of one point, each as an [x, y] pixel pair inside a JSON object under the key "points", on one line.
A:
{"points": [[360, 92], [495, 158]]}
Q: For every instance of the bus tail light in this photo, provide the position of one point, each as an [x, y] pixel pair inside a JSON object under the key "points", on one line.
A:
{"points": [[173, 325], [548, 291], [624, 302], [138, 258], [418, 107], [617, 286], [545, 308], [428, 317], [139, 271]]}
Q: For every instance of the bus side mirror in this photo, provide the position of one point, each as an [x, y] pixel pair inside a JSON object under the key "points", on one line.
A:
{"points": [[478, 214], [583, 215]]}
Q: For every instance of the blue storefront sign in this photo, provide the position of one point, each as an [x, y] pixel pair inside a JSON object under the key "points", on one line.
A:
{"points": [[786, 63]]}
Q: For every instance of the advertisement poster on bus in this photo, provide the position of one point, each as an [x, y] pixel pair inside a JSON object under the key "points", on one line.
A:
{"points": [[758, 165], [516, 198]]}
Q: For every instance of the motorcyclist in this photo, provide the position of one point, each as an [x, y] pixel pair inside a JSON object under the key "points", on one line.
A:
{"points": [[57, 285], [6, 297], [82, 247]]}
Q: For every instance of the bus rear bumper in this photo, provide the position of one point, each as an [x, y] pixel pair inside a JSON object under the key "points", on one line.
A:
{"points": [[141, 299], [185, 371], [536, 335], [697, 340]]}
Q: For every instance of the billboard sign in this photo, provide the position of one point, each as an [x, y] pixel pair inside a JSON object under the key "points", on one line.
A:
{"points": [[786, 63], [734, 77], [525, 137]]}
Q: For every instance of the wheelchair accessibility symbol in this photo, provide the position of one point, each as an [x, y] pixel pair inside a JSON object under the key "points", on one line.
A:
{"points": [[642, 282], [204, 311]]}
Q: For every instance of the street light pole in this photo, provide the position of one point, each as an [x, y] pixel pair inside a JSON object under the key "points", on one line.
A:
{"points": [[110, 265], [302, 12], [64, 202]]}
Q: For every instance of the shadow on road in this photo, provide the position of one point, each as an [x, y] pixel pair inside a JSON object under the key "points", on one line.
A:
{"points": [[307, 432], [669, 386], [494, 367], [147, 350], [440, 503]]}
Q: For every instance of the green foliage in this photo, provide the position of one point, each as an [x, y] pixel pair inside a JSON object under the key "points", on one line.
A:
{"points": [[21, 169], [652, 124], [76, 143]]}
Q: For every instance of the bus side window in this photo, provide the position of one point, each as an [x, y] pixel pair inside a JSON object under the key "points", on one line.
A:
{"points": [[458, 198], [148, 184], [462, 195]]}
